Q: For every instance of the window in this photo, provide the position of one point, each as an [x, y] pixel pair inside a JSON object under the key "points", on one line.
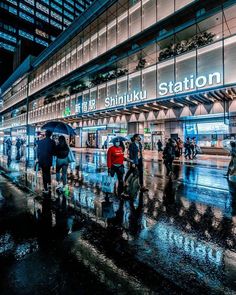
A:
{"points": [[6, 46], [56, 16], [12, 10], [71, 2], [41, 33], [42, 8], [9, 28], [7, 37], [55, 24], [26, 17], [43, 17], [68, 7], [68, 15], [13, 2], [30, 2], [56, 7], [66, 22], [26, 8], [45, 1], [26, 35], [40, 41]]}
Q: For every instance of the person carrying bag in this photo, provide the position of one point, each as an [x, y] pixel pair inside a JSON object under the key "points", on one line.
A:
{"points": [[63, 159]]}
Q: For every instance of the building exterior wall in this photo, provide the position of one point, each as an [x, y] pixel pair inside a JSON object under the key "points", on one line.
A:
{"points": [[176, 76]]}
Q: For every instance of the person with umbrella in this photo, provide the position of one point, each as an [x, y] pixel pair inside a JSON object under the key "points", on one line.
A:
{"points": [[45, 151], [115, 162], [136, 157], [62, 162]]}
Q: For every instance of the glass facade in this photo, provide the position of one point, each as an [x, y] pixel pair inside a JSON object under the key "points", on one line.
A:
{"points": [[191, 59]]}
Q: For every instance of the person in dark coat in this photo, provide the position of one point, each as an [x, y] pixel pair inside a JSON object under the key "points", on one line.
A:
{"points": [[136, 157], [168, 156], [45, 152], [159, 145], [62, 152]]}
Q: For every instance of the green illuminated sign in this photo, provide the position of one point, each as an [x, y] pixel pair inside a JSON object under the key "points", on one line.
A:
{"points": [[66, 112]]}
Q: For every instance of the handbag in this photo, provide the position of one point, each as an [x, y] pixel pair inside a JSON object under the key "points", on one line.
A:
{"points": [[71, 157], [108, 183]]}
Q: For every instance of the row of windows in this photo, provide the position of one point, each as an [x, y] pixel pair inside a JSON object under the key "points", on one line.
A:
{"points": [[7, 27], [42, 8], [56, 7], [131, 22], [7, 37], [43, 17], [69, 7], [26, 8], [7, 46], [26, 17], [66, 22], [40, 41], [55, 24], [68, 15], [12, 2], [30, 2], [26, 35], [56, 16]]}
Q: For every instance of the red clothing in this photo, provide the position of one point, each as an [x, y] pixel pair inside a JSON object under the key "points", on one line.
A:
{"points": [[115, 155]]}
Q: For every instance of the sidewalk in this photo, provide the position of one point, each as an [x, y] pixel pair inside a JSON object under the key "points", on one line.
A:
{"points": [[214, 161]]}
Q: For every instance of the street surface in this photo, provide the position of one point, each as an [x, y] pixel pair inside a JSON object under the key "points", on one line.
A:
{"points": [[178, 238]]}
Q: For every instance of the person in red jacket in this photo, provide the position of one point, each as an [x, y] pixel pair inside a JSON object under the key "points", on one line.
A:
{"points": [[115, 163]]}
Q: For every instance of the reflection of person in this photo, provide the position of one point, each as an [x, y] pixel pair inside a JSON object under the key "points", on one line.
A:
{"points": [[135, 217], [45, 151], [61, 152], [115, 164]]}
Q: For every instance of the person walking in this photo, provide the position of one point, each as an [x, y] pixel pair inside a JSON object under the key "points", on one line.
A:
{"points": [[193, 145], [45, 152], [62, 162], [115, 164], [232, 164], [136, 158], [187, 148], [159, 146], [168, 156]]}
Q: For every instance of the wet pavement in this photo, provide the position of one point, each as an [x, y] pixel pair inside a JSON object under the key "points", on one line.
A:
{"points": [[178, 238]]}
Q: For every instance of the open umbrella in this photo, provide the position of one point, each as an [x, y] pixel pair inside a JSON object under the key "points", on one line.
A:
{"points": [[118, 138], [59, 127], [130, 136]]}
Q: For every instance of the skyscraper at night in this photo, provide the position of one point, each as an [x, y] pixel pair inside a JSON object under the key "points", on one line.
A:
{"points": [[29, 26]]}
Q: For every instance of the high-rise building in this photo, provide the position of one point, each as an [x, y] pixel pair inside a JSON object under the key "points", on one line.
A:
{"points": [[28, 26], [161, 68]]}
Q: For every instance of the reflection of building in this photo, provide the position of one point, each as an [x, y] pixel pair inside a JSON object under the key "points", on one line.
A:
{"points": [[158, 67], [28, 27]]}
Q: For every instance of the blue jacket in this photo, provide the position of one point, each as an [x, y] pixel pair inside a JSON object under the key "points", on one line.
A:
{"points": [[133, 152], [46, 150]]}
